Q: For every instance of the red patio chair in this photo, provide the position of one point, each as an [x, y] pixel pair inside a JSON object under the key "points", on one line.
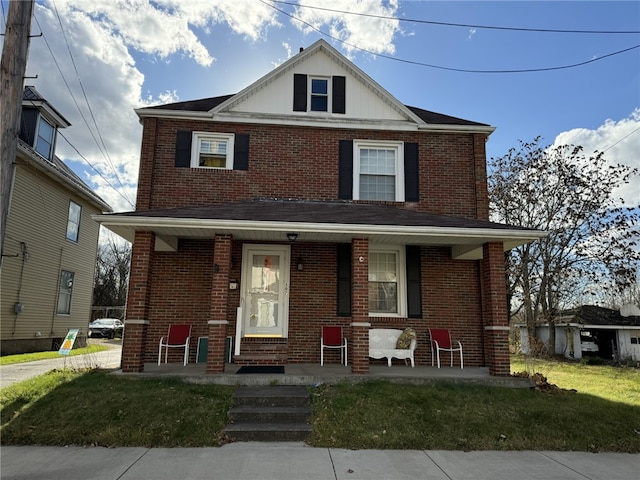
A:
{"points": [[332, 338], [178, 336], [441, 340]]}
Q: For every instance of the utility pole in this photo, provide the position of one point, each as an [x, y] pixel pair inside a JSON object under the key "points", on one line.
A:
{"points": [[12, 69]]}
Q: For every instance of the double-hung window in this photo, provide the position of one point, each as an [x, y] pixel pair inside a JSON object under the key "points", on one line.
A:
{"points": [[73, 221], [44, 141], [387, 285], [212, 150], [64, 294], [319, 94], [378, 171]]}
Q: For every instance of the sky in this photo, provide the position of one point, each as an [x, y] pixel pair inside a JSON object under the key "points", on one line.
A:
{"points": [[98, 60]]}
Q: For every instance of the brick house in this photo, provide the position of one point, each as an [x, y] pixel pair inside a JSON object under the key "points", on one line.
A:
{"points": [[313, 197]]}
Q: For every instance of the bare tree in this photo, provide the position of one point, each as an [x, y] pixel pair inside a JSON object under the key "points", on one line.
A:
{"points": [[113, 265], [591, 235]]}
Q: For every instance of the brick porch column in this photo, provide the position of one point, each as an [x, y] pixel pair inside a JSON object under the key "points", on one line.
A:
{"points": [[217, 336], [494, 310], [137, 318], [359, 349], [219, 298]]}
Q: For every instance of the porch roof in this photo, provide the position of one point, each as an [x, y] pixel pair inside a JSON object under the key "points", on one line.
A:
{"points": [[318, 221]]}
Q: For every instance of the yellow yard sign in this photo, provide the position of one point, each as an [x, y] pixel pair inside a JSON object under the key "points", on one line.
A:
{"points": [[67, 345]]}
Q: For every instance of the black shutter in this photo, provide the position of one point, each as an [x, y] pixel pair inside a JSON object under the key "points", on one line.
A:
{"points": [[344, 279], [414, 283], [241, 152], [183, 149], [345, 170], [411, 183], [299, 92], [28, 123], [339, 94]]}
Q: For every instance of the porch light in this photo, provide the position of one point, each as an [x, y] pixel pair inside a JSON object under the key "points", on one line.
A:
{"points": [[292, 236], [300, 265]]}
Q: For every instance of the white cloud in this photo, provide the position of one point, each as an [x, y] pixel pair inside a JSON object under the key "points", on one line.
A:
{"points": [[102, 36], [620, 142], [372, 34]]}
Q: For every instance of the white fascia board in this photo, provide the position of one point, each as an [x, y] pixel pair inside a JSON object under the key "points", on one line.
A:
{"points": [[182, 114], [612, 327], [487, 129], [308, 227], [307, 120]]}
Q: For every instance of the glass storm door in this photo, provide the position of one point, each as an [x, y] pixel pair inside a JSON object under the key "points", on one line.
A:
{"points": [[265, 290]]}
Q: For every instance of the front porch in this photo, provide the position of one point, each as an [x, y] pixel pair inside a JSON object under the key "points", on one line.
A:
{"points": [[314, 374]]}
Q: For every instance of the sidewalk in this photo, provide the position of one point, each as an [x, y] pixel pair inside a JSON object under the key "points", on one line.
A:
{"points": [[296, 461]]}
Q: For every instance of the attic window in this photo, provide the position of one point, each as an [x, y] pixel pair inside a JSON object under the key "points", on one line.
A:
{"points": [[44, 140], [319, 99], [319, 94]]}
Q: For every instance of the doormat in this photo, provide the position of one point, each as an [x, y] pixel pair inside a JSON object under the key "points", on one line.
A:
{"points": [[261, 369]]}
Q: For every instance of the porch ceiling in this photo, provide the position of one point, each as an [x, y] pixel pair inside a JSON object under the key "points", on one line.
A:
{"points": [[332, 222]]}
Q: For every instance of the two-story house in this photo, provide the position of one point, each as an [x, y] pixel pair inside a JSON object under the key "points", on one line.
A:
{"points": [[313, 197], [51, 241]]}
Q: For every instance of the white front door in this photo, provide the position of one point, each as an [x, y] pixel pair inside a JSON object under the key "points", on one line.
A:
{"points": [[265, 290]]}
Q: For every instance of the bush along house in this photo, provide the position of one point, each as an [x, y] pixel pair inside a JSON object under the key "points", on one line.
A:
{"points": [[312, 197]]}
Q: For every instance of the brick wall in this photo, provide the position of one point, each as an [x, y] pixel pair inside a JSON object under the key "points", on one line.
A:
{"points": [[181, 293], [302, 162]]}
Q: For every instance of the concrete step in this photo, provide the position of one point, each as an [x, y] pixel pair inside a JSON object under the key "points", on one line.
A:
{"points": [[268, 432], [270, 414], [273, 396], [264, 414]]}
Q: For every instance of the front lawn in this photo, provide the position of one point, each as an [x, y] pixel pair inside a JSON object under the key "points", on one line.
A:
{"points": [[96, 408]]}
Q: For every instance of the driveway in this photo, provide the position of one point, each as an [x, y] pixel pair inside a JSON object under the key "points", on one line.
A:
{"points": [[10, 374]]}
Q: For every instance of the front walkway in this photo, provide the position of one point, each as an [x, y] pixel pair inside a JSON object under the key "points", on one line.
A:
{"points": [[314, 374]]}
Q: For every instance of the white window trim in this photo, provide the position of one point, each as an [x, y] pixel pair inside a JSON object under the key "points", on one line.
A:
{"points": [[77, 225], [397, 146], [310, 79], [41, 119], [402, 279], [195, 148]]}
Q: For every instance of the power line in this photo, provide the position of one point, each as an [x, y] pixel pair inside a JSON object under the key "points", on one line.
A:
{"points": [[97, 171], [55, 61], [464, 25], [441, 67], [627, 135], [95, 123]]}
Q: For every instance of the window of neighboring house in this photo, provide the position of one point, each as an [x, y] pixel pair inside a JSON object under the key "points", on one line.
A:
{"points": [[73, 222], [378, 171], [635, 338], [212, 150], [64, 296], [319, 94], [44, 140], [387, 285]]}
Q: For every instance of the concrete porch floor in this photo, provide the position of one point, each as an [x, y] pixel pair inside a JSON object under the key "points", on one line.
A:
{"points": [[314, 374]]}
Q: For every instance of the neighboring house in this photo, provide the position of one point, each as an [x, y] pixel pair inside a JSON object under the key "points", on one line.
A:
{"points": [[51, 240], [592, 330], [313, 197]]}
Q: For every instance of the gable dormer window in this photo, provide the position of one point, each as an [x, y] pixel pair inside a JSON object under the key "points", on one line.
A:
{"points": [[44, 139], [319, 94]]}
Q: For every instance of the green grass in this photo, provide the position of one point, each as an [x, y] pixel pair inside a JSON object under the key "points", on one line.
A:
{"points": [[381, 415], [67, 407], [617, 384], [96, 408], [32, 357]]}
